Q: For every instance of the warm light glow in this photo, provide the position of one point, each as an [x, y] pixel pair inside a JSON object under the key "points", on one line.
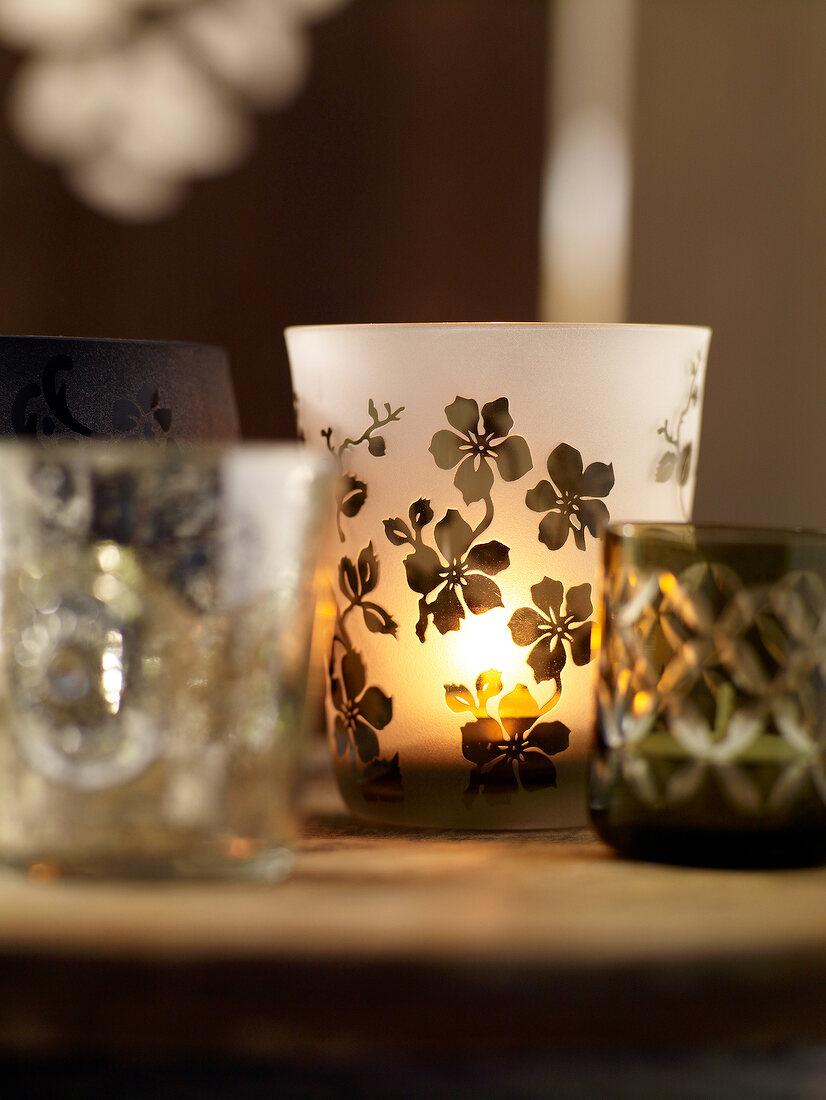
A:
{"points": [[43, 872], [642, 704], [668, 583], [484, 642], [596, 638], [240, 847], [623, 681]]}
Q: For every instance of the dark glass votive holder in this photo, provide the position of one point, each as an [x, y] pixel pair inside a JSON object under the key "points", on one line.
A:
{"points": [[162, 391], [711, 717]]}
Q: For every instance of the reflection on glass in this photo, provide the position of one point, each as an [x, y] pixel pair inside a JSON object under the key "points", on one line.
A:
{"points": [[711, 726], [156, 624]]}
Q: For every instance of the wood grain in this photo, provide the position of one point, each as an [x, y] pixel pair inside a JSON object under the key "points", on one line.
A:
{"points": [[388, 942]]}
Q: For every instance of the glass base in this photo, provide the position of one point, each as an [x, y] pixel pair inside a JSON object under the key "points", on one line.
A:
{"points": [[437, 796], [272, 864], [712, 847], [675, 809]]}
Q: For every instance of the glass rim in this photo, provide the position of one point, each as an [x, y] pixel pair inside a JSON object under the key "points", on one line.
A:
{"points": [[130, 341], [486, 326], [642, 530], [143, 452]]}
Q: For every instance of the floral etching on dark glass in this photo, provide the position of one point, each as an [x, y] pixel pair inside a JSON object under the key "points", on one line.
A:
{"points": [[145, 417], [40, 409]]}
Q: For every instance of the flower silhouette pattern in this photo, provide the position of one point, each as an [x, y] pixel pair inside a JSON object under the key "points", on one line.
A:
{"points": [[512, 751], [571, 499], [457, 576], [457, 572], [42, 409], [145, 417], [547, 628], [361, 710], [473, 446], [507, 740]]}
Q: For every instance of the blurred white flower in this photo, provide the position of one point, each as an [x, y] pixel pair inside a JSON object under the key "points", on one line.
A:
{"points": [[61, 25], [118, 190], [254, 45], [134, 98]]}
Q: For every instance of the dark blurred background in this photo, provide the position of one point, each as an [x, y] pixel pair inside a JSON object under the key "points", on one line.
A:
{"points": [[404, 183]]}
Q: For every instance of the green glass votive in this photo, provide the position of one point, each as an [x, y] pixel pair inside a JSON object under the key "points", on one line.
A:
{"points": [[711, 693]]}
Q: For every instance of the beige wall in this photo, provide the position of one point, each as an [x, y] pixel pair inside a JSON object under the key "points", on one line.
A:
{"points": [[730, 229]]}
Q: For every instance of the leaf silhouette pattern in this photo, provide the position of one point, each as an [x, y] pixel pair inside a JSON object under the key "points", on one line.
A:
{"points": [[675, 463], [362, 710], [351, 491]]}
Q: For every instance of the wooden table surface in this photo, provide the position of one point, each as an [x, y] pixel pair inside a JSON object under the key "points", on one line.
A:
{"points": [[392, 943]]}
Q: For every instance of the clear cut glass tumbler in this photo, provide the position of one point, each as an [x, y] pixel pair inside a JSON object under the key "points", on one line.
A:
{"points": [[157, 615], [711, 724]]}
